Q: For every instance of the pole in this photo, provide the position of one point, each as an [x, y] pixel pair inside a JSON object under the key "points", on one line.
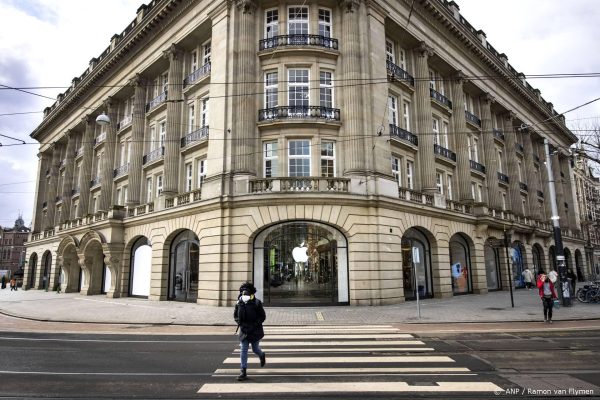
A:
{"points": [[507, 240], [559, 251], [414, 268]]}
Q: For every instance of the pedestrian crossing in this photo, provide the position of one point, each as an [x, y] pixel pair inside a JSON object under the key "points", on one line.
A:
{"points": [[353, 360]]}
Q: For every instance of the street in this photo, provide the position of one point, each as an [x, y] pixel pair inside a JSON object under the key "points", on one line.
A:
{"points": [[365, 361]]}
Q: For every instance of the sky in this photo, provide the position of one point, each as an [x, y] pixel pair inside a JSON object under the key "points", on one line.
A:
{"points": [[46, 43]]}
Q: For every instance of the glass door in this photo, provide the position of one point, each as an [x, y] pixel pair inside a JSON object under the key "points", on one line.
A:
{"points": [[185, 272]]}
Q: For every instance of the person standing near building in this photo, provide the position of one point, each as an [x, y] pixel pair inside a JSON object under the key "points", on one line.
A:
{"points": [[572, 280], [528, 277], [13, 284], [547, 294], [3, 282], [249, 315]]}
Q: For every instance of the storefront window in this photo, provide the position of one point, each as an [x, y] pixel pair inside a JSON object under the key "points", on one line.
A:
{"points": [[517, 256], [460, 265], [416, 265], [492, 267]]}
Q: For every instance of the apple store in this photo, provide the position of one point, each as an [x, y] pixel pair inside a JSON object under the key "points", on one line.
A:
{"points": [[301, 263]]}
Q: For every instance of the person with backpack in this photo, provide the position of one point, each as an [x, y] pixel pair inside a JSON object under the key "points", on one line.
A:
{"points": [[249, 315]]}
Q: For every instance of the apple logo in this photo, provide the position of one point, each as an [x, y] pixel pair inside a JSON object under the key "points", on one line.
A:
{"points": [[300, 254]]}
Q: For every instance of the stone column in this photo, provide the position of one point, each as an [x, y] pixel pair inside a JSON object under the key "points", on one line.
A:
{"points": [[544, 179], [86, 167], [425, 155], [174, 125], [67, 186], [110, 145], [352, 111], [114, 262], [570, 198], [532, 182], [459, 127], [560, 194], [51, 190], [489, 152], [40, 193], [512, 161], [137, 141]]}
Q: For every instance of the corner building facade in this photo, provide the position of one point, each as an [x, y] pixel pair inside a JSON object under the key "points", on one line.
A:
{"points": [[333, 152]]}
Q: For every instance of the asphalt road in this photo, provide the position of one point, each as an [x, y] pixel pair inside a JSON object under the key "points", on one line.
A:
{"points": [[536, 364]]}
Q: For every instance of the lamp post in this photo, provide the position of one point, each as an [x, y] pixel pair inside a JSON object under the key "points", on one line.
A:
{"points": [[559, 251], [507, 243]]}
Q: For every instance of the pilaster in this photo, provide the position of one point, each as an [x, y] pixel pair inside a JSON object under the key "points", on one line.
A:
{"points": [[40, 191], [512, 161], [174, 125], [106, 175], [137, 141], [489, 152], [559, 189], [67, 185], [461, 141], [570, 198], [532, 181], [544, 182], [51, 190], [86, 167]]}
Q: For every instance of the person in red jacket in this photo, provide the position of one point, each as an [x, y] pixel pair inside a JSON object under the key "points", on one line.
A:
{"points": [[547, 294]]}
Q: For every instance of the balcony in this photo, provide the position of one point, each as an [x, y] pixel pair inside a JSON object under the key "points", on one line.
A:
{"points": [[475, 166], [79, 152], [158, 100], [125, 122], [415, 197], [444, 152], [404, 135], [196, 136], [502, 178], [523, 186], [299, 184], [472, 118], [197, 75], [120, 171], [519, 147], [498, 134], [440, 98], [75, 191], [299, 112], [396, 72], [298, 40], [540, 194], [58, 199], [154, 155], [95, 182], [100, 138]]}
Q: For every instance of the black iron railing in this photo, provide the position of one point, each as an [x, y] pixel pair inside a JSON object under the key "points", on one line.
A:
{"points": [[125, 122], [196, 136], [440, 98], [158, 100], [540, 194], [523, 186], [197, 74], [397, 72], [502, 178], [396, 131], [519, 147], [444, 152], [75, 191], [120, 171], [154, 155], [477, 167], [95, 182], [498, 134], [472, 118], [298, 40], [299, 112]]}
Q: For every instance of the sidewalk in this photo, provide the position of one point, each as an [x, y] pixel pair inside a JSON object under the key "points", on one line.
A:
{"points": [[491, 307]]}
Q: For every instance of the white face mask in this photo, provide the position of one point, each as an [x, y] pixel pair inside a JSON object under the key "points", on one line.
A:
{"points": [[245, 298]]}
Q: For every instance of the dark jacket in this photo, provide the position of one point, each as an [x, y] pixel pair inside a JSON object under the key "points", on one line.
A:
{"points": [[250, 317]]}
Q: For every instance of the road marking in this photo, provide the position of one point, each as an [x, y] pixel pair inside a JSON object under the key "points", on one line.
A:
{"points": [[340, 387], [334, 327], [321, 360], [343, 349], [111, 341], [304, 329], [268, 343], [107, 373], [374, 336], [351, 371]]}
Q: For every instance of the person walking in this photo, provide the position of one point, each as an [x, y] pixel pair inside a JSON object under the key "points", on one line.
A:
{"points": [[3, 282], [249, 315], [527, 277], [572, 281], [547, 294], [13, 284]]}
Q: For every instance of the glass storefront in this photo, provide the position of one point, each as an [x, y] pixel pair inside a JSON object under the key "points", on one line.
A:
{"points": [[184, 267], [301, 263], [32, 268], [140, 267], [416, 265], [492, 267], [460, 265], [517, 256]]}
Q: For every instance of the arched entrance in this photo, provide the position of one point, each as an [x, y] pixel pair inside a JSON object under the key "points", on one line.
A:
{"points": [[460, 265], [32, 268], [416, 264], [492, 265], [184, 267], [568, 258], [140, 268], [301, 263], [538, 253], [552, 258], [106, 277], [579, 265], [47, 265], [517, 255], [71, 280]]}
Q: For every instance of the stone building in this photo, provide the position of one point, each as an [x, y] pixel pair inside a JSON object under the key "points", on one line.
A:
{"points": [[12, 247], [333, 152]]}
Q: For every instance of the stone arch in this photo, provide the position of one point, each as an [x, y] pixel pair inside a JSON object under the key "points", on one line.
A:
{"points": [[579, 265], [91, 261], [493, 263], [462, 249], [568, 258], [137, 265], [552, 259], [31, 270], [45, 268], [518, 259], [539, 259], [419, 256], [183, 254], [68, 271], [88, 238]]}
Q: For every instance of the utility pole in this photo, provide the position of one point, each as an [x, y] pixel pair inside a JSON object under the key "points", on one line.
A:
{"points": [[559, 251]]}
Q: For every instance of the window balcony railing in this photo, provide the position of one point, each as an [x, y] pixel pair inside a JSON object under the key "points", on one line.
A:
{"points": [[540, 194], [100, 138], [75, 191], [502, 178], [95, 182], [120, 171], [196, 136], [299, 112], [153, 155], [519, 147], [440, 98], [298, 40], [299, 184], [477, 167], [397, 72], [523, 186], [444, 152], [472, 118], [498, 134], [58, 198], [125, 122], [158, 100], [402, 134], [197, 74], [415, 197]]}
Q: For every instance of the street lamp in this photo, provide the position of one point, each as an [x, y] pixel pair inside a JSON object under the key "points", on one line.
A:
{"points": [[103, 119]]}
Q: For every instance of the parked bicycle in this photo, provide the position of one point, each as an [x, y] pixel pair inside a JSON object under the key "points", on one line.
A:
{"points": [[589, 293]]}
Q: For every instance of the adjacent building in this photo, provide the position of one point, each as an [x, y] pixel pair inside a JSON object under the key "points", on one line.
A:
{"points": [[12, 247], [333, 152]]}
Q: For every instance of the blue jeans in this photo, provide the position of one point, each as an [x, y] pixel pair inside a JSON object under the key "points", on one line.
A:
{"points": [[244, 344]]}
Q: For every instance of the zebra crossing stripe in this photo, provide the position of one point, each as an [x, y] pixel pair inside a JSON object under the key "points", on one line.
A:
{"points": [[347, 387], [329, 328], [349, 371], [268, 343], [344, 349], [373, 336], [321, 360]]}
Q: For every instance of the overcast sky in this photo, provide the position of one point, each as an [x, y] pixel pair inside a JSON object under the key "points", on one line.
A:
{"points": [[45, 43]]}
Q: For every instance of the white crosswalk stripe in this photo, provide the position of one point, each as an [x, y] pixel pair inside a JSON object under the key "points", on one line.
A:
{"points": [[324, 359]]}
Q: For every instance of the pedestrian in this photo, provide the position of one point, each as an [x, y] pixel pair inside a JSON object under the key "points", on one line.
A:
{"points": [[60, 281], [547, 294], [3, 282], [249, 315], [13, 284], [527, 277], [572, 281]]}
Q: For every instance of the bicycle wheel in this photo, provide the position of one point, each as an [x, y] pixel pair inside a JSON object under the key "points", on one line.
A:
{"points": [[581, 295]]}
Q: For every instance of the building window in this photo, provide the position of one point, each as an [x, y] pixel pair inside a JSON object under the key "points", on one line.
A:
{"points": [[206, 50], [122, 151], [149, 190], [159, 185], [299, 157], [500, 168], [449, 187], [118, 196], [435, 82], [436, 131], [298, 87], [439, 182], [520, 170], [324, 22], [125, 195], [406, 115], [271, 23], [298, 21], [204, 112], [396, 172], [390, 55], [393, 110], [128, 150], [328, 159], [503, 201], [153, 141], [475, 149], [271, 167], [191, 117], [201, 173], [271, 93], [188, 177], [445, 135], [163, 133], [325, 89], [410, 167], [402, 59], [193, 61]]}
